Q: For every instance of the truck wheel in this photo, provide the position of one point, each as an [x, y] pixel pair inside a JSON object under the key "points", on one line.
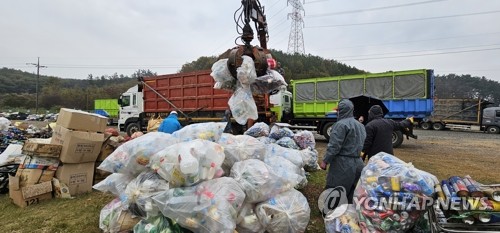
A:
{"points": [[326, 130], [437, 126], [425, 125], [132, 128], [493, 130], [397, 139]]}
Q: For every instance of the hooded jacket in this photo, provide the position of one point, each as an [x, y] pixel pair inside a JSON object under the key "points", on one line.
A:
{"points": [[170, 124], [379, 132], [344, 148]]}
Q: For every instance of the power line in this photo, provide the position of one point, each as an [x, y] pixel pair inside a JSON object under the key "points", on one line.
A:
{"points": [[419, 51], [38, 66], [374, 9], [420, 55], [405, 20]]}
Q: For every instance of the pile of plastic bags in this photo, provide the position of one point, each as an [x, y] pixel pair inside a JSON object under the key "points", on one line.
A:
{"points": [[204, 180], [244, 86]]}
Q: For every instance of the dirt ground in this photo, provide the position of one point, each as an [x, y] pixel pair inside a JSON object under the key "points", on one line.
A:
{"points": [[449, 153]]}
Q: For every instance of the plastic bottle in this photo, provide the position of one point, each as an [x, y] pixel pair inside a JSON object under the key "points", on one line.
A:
{"points": [[188, 163]]}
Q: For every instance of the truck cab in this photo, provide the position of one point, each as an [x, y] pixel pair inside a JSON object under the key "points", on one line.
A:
{"points": [[131, 106], [491, 120]]}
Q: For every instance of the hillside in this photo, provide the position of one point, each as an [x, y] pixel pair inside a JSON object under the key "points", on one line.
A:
{"points": [[18, 88]]}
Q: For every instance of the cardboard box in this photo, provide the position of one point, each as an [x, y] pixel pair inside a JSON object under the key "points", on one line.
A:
{"points": [[77, 146], [30, 195], [34, 162], [41, 148], [28, 177], [80, 120], [78, 177]]}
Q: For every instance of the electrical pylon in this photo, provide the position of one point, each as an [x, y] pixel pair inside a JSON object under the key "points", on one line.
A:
{"points": [[296, 39]]}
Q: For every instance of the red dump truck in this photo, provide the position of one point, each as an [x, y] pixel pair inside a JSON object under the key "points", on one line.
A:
{"points": [[190, 94]]}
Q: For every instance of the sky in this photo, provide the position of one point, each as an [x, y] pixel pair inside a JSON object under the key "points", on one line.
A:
{"points": [[101, 37]]}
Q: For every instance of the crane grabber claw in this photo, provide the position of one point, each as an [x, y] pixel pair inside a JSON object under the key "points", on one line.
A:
{"points": [[251, 10]]}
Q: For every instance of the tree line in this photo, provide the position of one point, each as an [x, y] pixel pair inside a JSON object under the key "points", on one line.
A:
{"points": [[18, 88]]}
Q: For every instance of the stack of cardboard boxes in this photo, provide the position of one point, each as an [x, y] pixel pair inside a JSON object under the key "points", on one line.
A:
{"points": [[32, 182], [81, 136]]}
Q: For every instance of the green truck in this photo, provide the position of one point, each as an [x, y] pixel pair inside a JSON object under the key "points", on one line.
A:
{"points": [[108, 108]]}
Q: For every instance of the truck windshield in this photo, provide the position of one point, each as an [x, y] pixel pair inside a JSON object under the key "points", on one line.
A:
{"points": [[125, 101]]}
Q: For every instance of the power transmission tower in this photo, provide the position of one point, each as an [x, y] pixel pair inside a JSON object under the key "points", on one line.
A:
{"points": [[38, 66], [296, 39]]}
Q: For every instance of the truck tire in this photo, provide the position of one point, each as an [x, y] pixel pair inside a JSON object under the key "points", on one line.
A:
{"points": [[493, 129], [438, 126], [326, 130], [397, 139], [132, 128], [425, 125]]}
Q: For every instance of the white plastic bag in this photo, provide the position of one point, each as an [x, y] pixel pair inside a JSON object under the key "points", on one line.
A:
{"points": [[286, 212], [247, 220], [208, 131], [222, 76], [205, 160], [211, 206], [139, 192], [269, 82], [132, 157], [246, 72], [292, 155], [310, 158], [259, 181], [115, 183], [243, 106], [288, 171], [4, 123], [279, 132], [259, 129], [337, 222], [110, 213], [240, 147], [304, 139]]}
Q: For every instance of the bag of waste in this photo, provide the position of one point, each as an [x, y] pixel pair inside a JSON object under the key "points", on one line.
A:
{"points": [[132, 157], [187, 163], [158, 224], [304, 139], [114, 218], [259, 181], [139, 192], [210, 131], [154, 124], [280, 132], [247, 220], [392, 194], [287, 143], [259, 129], [115, 183], [240, 147], [4, 123], [266, 140], [210, 206], [286, 212], [243, 106], [269, 82], [221, 75], [246, 72], [310, 159], [288, 171], [342, 221], [292, 155]]}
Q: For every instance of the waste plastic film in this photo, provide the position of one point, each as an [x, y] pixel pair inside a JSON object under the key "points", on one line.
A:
{"points": [[336, 222], [240, 147], [210, 131], [392, 195], [210, 206], [132, 157], [259, 181], [187, 163], [285, 212], [184, 187], [139, 192]]}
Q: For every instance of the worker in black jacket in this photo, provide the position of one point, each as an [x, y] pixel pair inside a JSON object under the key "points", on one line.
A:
{"points": [[379, 132]]}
